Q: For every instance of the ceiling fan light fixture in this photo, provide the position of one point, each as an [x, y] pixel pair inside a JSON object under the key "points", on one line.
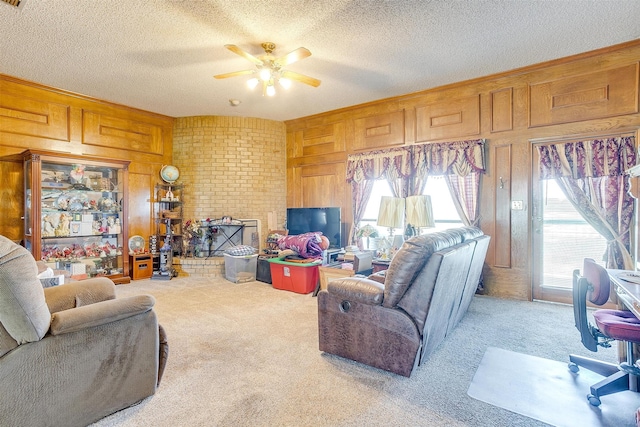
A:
{"points": [[265, 74], [253, 82], [285, 83], [270, 69], [271, 90]]}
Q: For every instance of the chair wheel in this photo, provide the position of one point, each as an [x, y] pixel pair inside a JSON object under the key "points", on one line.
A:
{"points": [[573, 367], [594, 401]]}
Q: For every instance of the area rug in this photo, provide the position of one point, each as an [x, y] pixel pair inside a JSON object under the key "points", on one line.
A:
{"points": [[547, 391]]}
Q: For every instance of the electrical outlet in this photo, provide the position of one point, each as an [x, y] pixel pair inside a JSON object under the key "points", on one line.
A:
{"points": [[517, 205]]}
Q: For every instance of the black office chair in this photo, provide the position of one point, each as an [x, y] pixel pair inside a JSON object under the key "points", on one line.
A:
{"points": [[611, 325]]}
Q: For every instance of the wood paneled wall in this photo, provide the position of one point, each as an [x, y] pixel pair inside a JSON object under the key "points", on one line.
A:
{"points": [[587, 94], [39, 117]]}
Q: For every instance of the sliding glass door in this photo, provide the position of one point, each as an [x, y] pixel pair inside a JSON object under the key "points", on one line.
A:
{"points": [[562, 239]]}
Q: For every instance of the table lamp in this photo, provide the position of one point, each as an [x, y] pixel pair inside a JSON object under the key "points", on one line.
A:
{"points": [[391, 215], [419, 214]]}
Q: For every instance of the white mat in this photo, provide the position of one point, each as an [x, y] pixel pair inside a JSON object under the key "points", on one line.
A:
{"points": [[547, 391]]}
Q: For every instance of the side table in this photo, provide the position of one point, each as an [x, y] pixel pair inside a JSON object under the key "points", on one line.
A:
{"points": [[328, 273], [380, 265]]}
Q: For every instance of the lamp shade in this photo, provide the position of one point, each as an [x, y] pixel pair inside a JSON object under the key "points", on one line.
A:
{"points": [[419, 211], [391, 212]]}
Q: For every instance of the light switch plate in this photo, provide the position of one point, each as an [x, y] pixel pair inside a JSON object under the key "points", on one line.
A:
{"points": [[517, 205]]}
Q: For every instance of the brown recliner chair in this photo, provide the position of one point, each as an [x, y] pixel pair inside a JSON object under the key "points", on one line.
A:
{"points": [[395, 325], [71, 354]]}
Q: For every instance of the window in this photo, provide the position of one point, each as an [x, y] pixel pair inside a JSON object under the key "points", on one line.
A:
{"points": [[566, 238], [444, 211]]}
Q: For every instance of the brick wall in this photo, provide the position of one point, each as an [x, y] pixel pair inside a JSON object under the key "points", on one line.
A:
{"points": [[232, 166]]}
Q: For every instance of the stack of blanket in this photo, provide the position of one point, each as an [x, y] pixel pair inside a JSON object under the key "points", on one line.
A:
{"points": [[307, 245]]}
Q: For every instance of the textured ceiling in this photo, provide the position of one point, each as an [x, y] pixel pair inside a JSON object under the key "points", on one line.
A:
{"points": [[161, 55]]}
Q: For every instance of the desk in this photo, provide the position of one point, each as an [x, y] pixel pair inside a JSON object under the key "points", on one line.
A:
{"points": [[628, 292]]}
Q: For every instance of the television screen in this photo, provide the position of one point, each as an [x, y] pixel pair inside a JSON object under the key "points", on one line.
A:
{"points": [[325, 220]]}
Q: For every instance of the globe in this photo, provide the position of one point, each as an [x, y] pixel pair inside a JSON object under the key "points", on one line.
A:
{"points": [[169, 173]]}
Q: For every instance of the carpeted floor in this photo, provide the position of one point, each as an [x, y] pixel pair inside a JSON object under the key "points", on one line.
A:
{"points": [[247, 355]]}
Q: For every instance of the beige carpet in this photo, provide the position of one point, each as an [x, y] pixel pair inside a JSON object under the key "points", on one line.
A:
{"points": [[247, 355]]}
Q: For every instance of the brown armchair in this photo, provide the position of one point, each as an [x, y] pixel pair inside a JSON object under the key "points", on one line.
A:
{"points": [[395, 325], [71, 354]]}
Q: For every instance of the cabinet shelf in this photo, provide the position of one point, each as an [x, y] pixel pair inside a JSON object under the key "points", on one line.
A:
{"points": [[48, 189], [68, 198], [168, 214], [81, 212], [76, 236]]}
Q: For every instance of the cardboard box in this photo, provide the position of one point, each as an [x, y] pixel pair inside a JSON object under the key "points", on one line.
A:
{"points": [[301, 278]]}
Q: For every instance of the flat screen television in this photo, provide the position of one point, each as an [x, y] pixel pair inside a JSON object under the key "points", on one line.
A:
{"points": [[325, 220]]}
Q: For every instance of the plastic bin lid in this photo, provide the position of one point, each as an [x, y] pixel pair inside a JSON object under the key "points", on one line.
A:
{"points": [[299, 264], [241, 256]]}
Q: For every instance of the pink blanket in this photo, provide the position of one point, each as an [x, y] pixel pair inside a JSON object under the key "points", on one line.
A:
{"points": [[306, 245]]}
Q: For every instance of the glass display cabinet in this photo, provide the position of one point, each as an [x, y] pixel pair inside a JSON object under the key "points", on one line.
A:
{"points": [[75, 214]]}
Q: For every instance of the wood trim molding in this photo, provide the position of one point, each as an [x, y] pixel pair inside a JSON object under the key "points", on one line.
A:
{"points": [[595, 95], [502, 198], [501, 109]]}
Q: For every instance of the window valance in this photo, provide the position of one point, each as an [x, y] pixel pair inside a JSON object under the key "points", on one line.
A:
{"points": [[582, 159], [390, 164], [446, 158]]}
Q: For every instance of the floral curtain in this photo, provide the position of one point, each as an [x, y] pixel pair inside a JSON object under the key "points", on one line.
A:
{"points": [[389, 164], [363, 169], [461, 163], [361, 192], [444, 158], [399, 187], [465, 191], [592, 176], [407, 169]]}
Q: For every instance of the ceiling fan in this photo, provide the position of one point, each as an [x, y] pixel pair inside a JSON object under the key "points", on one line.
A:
{"points": [[270, 69]]}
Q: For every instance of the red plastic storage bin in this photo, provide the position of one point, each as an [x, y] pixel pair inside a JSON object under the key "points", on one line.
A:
{"points": [[293, 276]]}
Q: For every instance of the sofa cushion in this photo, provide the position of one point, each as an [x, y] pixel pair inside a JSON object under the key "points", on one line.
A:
{"points": [[409, 261], [466, 233], [23, 309], [7, 343]]}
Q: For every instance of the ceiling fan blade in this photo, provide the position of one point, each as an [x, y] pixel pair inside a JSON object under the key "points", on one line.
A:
{"points": [[234, 74], [301, 78], [293, 56], [235, 49]]}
